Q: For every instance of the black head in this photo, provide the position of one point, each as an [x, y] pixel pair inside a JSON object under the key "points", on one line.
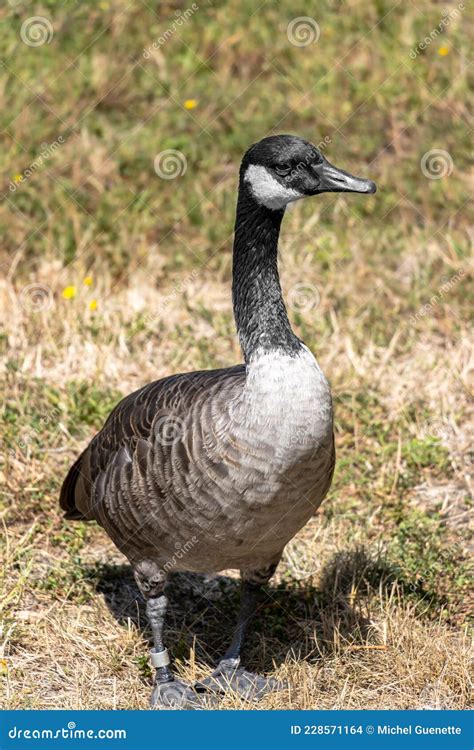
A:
{"points": [[284, 168]]}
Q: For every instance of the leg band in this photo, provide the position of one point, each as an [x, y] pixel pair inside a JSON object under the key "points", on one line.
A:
{"points": [[159, 658]]}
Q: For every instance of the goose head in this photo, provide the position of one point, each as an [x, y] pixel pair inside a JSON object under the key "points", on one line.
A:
{"points": [[281, 169]]}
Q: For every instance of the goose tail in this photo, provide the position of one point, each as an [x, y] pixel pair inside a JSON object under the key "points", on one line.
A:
{"points": [[67, 495]]}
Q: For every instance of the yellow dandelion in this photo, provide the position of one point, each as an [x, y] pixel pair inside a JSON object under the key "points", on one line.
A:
{"points": [[190, 104], [17, 178], [443, 51], [93, 305], [69, 292], [3, 667], [88, 281]]}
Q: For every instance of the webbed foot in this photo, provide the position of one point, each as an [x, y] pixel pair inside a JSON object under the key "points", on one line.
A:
{"points": [[179, 696], [229, 676]]}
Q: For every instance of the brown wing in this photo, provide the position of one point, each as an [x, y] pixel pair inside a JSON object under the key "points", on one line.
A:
{"points": [[126, 432]]}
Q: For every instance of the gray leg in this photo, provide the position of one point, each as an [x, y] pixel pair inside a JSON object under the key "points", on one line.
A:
{"points": [[156, 611], [250, 597], [168, 692], [229, 675]]}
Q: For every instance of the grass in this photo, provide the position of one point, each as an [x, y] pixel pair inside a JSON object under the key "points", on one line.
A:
{"points": [[370, 605]]}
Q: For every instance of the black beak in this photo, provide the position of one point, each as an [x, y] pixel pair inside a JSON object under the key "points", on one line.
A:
{"points": [[333, 180]]}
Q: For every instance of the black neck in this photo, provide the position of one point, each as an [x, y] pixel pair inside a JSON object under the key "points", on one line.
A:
{"points": [[259, 310]]}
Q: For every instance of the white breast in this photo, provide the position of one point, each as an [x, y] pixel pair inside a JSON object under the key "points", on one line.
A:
{"points": [[286, 401]]}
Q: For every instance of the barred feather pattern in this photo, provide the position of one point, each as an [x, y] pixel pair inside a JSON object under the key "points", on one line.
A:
{"points": [[225, 465]]}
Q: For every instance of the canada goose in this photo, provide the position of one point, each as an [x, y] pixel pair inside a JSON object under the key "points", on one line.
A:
{"points": [[223, 465]]}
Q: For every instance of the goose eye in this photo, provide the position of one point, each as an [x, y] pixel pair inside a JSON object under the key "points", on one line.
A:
{"points": [[283, 169]]}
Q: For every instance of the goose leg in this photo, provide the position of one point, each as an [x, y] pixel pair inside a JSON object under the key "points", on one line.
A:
{"points": [[168, 692], [229, 675]]}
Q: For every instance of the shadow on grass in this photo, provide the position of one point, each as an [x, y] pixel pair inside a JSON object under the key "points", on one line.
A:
{"points": [[297, 617]]}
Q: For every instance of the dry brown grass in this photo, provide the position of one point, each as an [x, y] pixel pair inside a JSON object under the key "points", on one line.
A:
{"points": [[348, 635], [344, 651]]}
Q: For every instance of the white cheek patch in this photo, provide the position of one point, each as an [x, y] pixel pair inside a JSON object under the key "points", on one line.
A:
{"points": [[268, 191]]}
